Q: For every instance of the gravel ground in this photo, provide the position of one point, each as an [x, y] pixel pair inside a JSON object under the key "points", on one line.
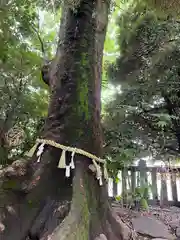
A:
{"points": [[167, 215]]}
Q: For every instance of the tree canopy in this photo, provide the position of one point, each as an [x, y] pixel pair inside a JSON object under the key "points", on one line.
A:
{"points": [[142, 49], [27, 41], [143, 117]]}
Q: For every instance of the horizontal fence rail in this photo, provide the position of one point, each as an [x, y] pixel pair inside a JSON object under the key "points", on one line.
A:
{"points": [[163, 183]]}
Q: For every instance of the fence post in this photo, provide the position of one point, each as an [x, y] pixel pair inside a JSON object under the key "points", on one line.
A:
{"points": [[174, 186], [133, 179], [124, 185], [143, 175], [163, 196], [114, 188], [154, 185]]}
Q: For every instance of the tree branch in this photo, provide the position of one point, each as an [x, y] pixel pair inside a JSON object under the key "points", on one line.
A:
{"points": [[41, 42]]}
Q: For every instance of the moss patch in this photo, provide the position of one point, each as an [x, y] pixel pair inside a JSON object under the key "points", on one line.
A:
{"points": [[83, 89]]}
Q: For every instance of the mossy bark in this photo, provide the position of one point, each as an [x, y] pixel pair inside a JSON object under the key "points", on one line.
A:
{"points": [[90, 214], [4, 155], [3, 146]]}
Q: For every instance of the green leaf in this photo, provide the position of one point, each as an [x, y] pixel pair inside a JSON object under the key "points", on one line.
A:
{"points": [[143, 203], [118, 198]]}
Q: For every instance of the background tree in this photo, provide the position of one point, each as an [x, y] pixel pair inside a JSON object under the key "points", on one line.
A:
{"points": [[144, 115], [73, 119]]}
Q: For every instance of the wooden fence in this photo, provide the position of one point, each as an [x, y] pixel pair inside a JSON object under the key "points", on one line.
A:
{"points": [[164, 183]]}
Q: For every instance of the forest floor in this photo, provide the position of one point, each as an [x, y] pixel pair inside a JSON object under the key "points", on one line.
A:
{"points": [[157, 223]]}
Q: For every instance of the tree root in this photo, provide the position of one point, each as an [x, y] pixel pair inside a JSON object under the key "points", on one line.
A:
{"points": [[16, 169], [90, 216], [76, 227], [127, 231], [51, 215], [29, 204], [101, 237]]}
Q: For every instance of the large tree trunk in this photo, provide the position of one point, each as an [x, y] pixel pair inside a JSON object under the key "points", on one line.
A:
{"points": [[73, 120]]}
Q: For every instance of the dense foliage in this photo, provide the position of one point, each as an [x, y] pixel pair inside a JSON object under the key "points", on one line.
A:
{"points": [[26, 40], [144, 115], [142, 51]]}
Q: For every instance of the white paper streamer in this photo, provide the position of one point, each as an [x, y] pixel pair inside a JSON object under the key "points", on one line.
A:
{"points": [[72, 160], [40, 151], [68, 169], [99, 174], [100, 181]]}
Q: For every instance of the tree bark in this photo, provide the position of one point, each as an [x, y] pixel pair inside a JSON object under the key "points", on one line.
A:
{"points": [[73, 120], [3, 145]]}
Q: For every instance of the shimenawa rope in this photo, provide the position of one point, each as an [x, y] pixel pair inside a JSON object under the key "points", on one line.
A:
{"points": [[62, 162]]}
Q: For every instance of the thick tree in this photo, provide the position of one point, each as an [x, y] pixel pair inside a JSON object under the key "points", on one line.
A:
{"points": [[37, 196]]}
